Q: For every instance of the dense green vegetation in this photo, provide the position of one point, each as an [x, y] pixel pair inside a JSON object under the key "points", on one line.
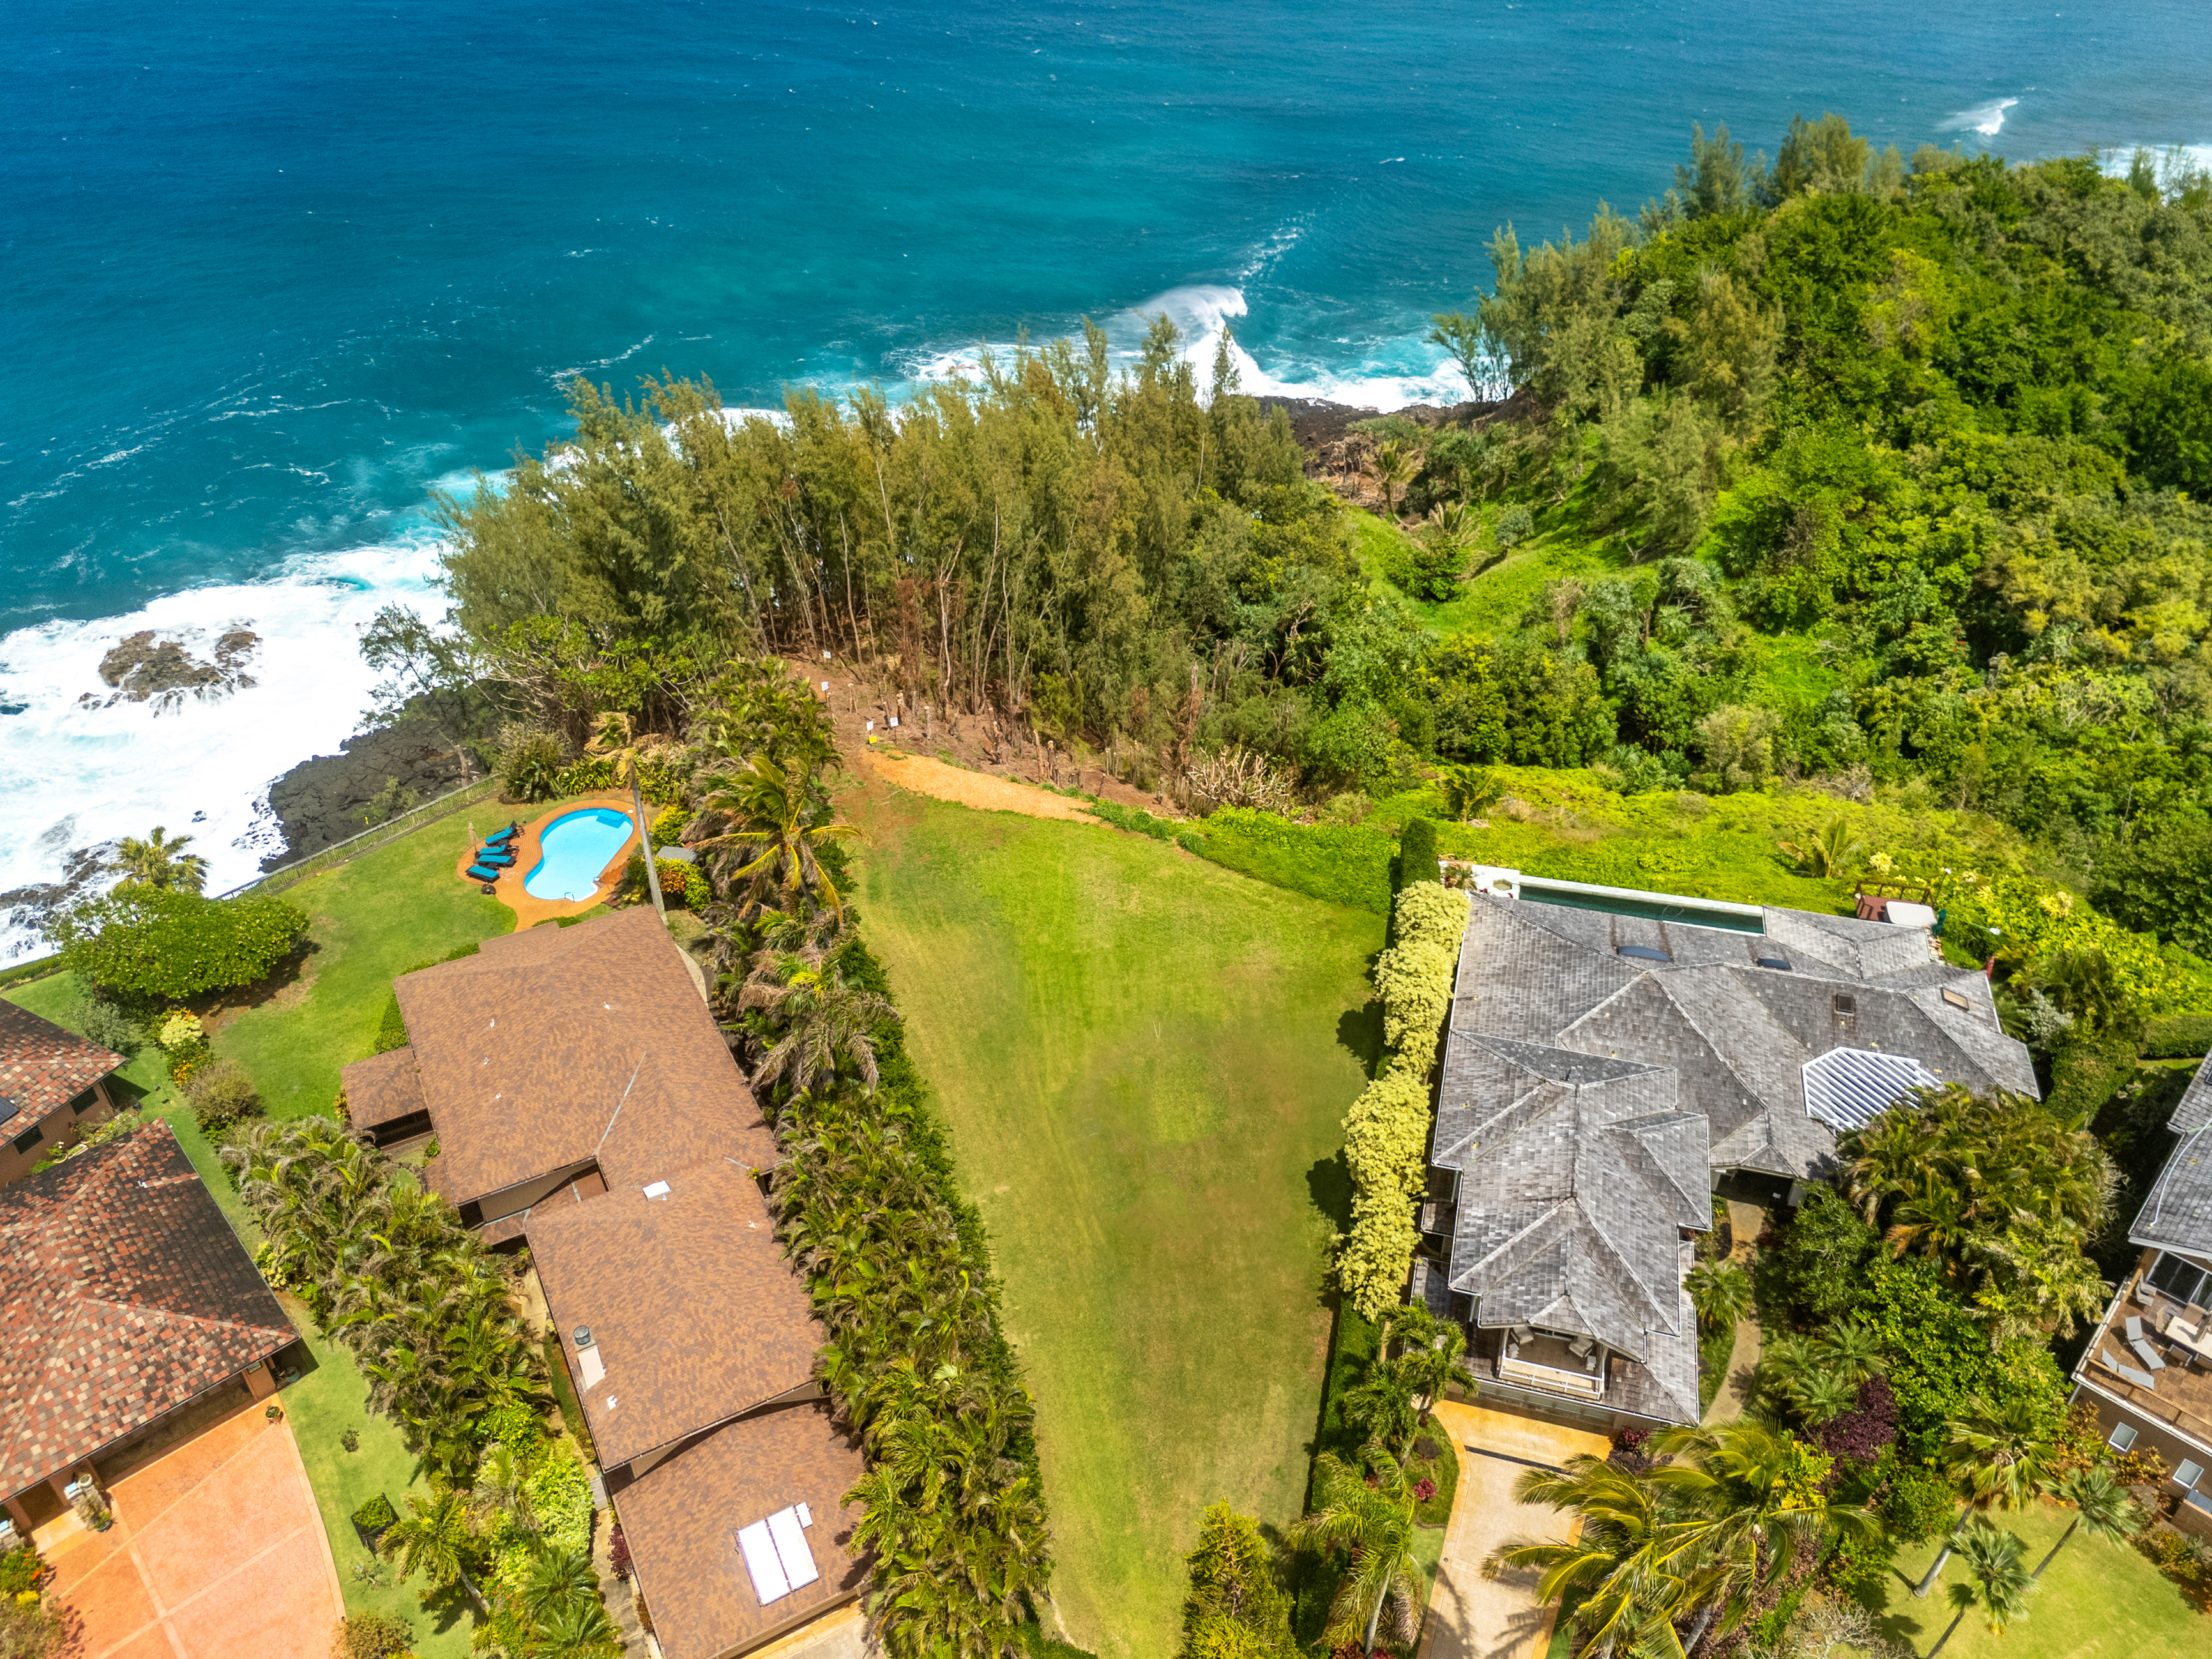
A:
{"points": [[1143, 1062]]}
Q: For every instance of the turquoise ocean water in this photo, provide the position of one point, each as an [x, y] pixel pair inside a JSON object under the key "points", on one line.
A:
{"points": [[271, 274]]}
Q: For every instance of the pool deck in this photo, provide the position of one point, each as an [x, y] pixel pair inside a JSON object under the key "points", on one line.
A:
{"points": [[529, 849]]}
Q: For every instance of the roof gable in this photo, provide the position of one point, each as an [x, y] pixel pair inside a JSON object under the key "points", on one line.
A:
{"points": [[42, 1066]]}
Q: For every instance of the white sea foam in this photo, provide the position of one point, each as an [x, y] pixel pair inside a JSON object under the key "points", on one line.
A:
{"points": [[2173, 162], [1387, 374], [74, 774], [1987, 119]]}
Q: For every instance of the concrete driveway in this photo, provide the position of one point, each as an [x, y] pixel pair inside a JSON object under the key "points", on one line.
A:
{"points": [[1471, 1617], [217, 1549]]}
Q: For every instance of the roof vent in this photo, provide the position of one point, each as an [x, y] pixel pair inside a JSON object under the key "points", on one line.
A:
{"points": [[1780, 965], [658, 1189], [1845, 1004], [583, 1336], [1643, 952], [775, 1553]]}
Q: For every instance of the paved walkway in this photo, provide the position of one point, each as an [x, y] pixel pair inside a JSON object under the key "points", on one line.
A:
{"points": [[1744, 1222], [1471, 1617], [217, 1550]]}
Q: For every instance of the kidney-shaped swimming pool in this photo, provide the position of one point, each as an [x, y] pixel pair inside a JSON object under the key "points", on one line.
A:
{"points": [[574, 848]]}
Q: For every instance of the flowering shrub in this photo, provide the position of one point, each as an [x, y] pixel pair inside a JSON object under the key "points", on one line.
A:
{"points": [[2018, 920], [1386, 1134]]}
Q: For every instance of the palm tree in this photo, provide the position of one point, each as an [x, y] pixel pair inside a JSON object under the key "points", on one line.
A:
{"points": [[2036, 1282], [814, 1017], [575, 1630], [1629, 1564], [2000, 1457], [1470, 791], [556, 1579], [1828, 853], [616, 740], [1393, 466], [1376, 1525], [1755, 1498], [2100, 1503], [500, 1487], [1720, 1292], [158, 861], [434, 1539], [1825, 1395], [2082, 983], [1434, 1348], [1998, 1580], [1851, 1348], [781, 827]]}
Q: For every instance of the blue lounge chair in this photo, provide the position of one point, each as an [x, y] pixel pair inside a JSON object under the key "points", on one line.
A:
{"points": [[477, 872], [489, 856], [503, 836]]}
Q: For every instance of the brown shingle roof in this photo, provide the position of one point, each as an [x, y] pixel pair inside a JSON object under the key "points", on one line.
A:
{"points": [[122, 1294], [681, 1520], [693, 1310], [43, 1067], [557, 1046], [382, 1089]]}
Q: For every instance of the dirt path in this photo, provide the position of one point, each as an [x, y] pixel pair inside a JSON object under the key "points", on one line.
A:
{"points": [[1744, 1221], [934, 778]]}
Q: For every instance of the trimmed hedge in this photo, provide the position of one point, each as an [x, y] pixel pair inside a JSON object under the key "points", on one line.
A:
{"points": [[1386, 1134], [2184, 1037], [1417, 853]]}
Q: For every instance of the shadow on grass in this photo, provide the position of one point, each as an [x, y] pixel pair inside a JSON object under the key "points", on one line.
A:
{"points": [[1360, 1032]]}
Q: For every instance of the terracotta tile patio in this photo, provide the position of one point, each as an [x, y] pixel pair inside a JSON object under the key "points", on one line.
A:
{"points": [[217, 1549]]}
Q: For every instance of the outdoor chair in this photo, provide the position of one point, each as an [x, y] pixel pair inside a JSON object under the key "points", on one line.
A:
{"points": [[2141, 1379], [477, 872], [495, 858]]}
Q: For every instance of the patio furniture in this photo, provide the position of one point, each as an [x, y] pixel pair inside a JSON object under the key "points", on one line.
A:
{"points": [[2141, 1379], [2135, 1328], [2148, 1354], [477, 872]]}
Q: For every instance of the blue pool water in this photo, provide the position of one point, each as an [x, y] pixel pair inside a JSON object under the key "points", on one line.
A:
{"points": [[576, 848]]}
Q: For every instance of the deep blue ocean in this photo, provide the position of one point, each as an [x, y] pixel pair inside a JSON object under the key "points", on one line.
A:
{"points": [[272, 272]]}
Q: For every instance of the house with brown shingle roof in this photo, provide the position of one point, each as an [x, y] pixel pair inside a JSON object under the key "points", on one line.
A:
{"points": [[126, 1298], [580, 1096], [53, 1087], [556, 1062]]}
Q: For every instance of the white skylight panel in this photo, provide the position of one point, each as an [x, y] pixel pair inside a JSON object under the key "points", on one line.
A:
{"points": [[791, 1547], [764, 1562]]}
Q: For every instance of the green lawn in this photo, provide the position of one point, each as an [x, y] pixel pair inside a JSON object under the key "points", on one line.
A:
{"points": [[375, 917], [1145, 1063], [2099, 1600]]}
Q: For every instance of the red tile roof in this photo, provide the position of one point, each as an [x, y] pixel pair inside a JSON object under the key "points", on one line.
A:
{"points": [[43, 1067], [557, 1047], [123, 1293]]}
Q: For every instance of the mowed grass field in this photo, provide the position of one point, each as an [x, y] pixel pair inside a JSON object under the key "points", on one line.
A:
{"points": [[1146, 1061]]}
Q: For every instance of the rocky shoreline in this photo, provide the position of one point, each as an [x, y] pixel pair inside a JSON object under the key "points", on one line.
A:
{"points": [[320, 802]]}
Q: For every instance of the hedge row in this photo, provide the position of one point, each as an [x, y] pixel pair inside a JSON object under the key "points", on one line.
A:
{"points": [[1344, 866], [1386, 1134]]}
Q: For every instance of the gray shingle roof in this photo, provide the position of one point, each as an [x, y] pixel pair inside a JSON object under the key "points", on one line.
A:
{"points": [[2177, 1211], [1587, 1096]]}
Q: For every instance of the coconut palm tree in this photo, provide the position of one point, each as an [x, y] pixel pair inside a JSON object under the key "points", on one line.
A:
{"points": [[2100, 1503], [779, 829], [2000, 1457], [812, 1018], [616, 740], [434, 1538], [1393, 466], [1720, 1292], [161, 861], [1998, 1580], [1629, 1564], [1376, 1525], [1828, 853]]}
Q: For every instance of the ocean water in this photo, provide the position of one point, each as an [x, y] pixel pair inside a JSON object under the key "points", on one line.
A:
{"points": [[272, 275]]}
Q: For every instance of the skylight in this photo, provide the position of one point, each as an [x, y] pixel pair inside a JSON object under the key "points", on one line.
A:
{"points": [[776, 1554], [1849, 1088], [1643, 952]]}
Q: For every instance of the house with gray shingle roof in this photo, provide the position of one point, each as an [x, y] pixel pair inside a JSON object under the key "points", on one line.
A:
{"points": [[1610, 1059], [2148, 1369]]}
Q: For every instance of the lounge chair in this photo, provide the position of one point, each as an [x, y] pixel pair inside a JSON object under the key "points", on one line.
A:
{"points": [[477, 872], [2141, 1379], [2149, 1355], [504, 836], [495, 858]]}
